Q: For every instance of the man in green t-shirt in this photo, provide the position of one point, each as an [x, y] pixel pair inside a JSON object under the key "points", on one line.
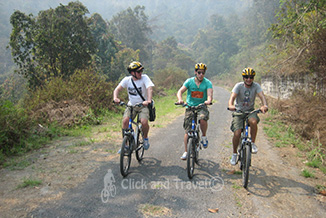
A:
{"points": [[200, 90]]}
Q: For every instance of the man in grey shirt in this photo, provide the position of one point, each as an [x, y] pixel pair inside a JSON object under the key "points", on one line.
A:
{"points": [[244, 94]]}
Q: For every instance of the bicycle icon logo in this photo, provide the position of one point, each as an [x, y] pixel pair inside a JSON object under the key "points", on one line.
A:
{"points": [[109, 189]]}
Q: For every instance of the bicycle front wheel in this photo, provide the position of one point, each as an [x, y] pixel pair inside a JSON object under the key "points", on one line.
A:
{"points": [[191, 156], [125, 156], [246, 165], [140, 148]]}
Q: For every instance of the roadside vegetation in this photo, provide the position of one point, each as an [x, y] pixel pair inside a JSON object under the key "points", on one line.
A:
{"points": [[62, 76]]}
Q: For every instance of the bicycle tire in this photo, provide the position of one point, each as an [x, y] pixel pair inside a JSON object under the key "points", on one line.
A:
{"points": [[241, 154], [125, 156], [190, 158], [246, 166], [140, 148], [197, 148]]}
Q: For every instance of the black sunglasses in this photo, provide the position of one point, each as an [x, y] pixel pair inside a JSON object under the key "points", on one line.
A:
{"points": [[246, 77], [139, 71], [201, 72]]}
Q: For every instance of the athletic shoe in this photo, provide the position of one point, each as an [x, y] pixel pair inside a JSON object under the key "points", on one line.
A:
{"points": [[146, 144], [234, 158], [184, 156], [204, 141], [254, 148]]}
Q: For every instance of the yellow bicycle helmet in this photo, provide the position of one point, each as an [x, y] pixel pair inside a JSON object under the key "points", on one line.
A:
{"points": [[248, 72], [200, 66], [135, 66]]}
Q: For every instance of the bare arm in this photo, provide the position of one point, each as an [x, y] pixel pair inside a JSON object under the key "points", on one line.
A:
{"points": [[231, 101], [209, 96], [263, 108], [179, 94], [149, 96], [116, 93]]}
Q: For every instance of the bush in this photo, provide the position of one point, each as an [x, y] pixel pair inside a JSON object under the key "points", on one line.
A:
{"points": [[68, 102], [15, 127]]}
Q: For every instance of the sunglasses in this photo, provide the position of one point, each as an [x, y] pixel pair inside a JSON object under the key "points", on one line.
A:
{"points": [[201, 73], [139, 71], [248, 77]]}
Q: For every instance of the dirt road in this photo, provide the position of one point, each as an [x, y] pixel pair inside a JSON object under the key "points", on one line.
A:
{"points": [[73, 172]]}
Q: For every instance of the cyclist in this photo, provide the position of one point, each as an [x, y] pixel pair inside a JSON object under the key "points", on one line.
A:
{"points": [[200, 90], [244, 93], [145, 86]]}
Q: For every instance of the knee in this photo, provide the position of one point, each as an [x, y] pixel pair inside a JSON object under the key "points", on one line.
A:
{"points": [[144, 122], [237, 133], [125, 121], [253, 122]]}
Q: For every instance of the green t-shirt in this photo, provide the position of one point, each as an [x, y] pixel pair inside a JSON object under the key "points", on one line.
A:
{"points": [[197, 95]]}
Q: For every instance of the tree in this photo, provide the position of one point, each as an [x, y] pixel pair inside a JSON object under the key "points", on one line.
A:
{"points": [[55, 43], [131, 28], [107, 47]]}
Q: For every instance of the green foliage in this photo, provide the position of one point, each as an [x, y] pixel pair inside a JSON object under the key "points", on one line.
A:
{"points": [[29, 182], [107, 47], [307, 174], [131, 28], [85, 86], [215, 45], [15, 127], [171, 77], [55, 43]]}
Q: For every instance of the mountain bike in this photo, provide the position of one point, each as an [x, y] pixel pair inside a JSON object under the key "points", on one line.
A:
{"points": [[244, 148], [133, 140], [193, 142]]}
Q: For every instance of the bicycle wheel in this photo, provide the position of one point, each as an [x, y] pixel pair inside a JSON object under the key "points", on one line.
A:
{"points": [[125, 156], [190, 157], [140, 148], [246, 162], [105, 195], [197, 148]]}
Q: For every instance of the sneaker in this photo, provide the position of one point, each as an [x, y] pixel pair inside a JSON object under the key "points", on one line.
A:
{"points": [[204, 141], [254, 148], [146, 144], [184, 156], [234, 159]]}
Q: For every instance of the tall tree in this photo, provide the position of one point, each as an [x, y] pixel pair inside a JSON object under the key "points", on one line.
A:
{"points": [[55, 43], [107, 47], [131, 28]]}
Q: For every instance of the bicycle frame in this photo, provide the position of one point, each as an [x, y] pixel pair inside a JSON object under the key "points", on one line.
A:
{"points": [[131, 141], [193, 145], [245, 147], [245, 130]]}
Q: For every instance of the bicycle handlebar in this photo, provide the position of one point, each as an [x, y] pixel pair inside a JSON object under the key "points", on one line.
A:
{"points": [[192, 107], [246, 112], [121, 103]]}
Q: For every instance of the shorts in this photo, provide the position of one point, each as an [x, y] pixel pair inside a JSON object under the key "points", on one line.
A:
{"points": [[238, 119], [142, 111], [203, 114]]}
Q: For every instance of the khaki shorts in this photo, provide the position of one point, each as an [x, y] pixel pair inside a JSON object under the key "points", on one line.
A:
{"points": [[238, 119], [142, 111], [203, 114]]}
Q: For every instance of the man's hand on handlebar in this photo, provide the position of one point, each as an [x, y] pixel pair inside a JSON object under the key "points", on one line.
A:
{"points": [[231, 108], [116, 101], [264, 108]]}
